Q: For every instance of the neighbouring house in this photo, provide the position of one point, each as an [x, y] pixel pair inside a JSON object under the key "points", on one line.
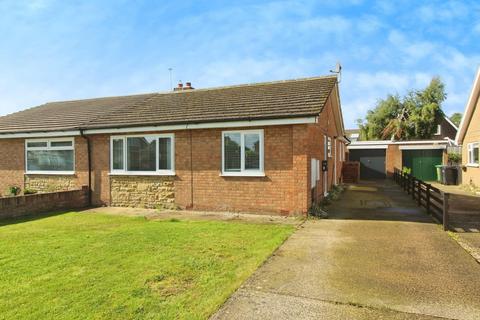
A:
{"points": [[468, 136], [254, 148], [378, 159]]}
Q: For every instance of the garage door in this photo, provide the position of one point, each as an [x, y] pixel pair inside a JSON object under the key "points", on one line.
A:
{"points": [[372, 162], [422, 162]]}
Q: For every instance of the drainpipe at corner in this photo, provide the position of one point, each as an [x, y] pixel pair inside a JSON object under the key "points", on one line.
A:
{"points": [[87, 139]]}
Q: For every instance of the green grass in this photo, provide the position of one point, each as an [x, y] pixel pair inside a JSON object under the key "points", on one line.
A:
{"points": [[88, 266]]}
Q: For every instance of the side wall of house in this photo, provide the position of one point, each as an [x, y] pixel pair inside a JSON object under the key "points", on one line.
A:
{"points": [[471, 175], [327, 126]]}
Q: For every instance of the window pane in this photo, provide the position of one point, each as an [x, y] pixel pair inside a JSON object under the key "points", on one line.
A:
{"points": [[252, 151], [141, 154], [61, 144], [51, 160], [117, 160], [475, 155], [232, 151], [39, 144], [164, 154]]}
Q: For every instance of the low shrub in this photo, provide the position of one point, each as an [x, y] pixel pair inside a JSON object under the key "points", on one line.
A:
{"points": [[317, 210]]}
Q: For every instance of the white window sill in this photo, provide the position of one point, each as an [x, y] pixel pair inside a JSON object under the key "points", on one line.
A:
{"points": [[51, 173], [473, 165], [242, 174], [155, 174]]}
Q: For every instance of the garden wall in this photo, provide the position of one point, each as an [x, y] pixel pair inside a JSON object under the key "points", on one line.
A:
{"points": [[43, 202]]}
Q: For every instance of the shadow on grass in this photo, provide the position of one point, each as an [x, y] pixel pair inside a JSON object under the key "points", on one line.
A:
{"points": [[37, 216]]}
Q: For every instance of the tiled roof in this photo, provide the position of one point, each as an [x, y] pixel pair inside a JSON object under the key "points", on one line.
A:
{"points": [[269, 100]]}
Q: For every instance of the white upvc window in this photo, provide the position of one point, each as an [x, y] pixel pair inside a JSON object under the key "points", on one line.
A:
{"points": [[242, 153], [50, 156], [142, 154], [473, 154], [439, 130]]}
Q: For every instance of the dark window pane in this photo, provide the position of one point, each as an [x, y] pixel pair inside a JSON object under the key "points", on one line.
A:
{"points": [[118, 154], [252, 151], [39, 144], [164, 154], [51, 160], [141, 154], [232, 145], [61, 144], [475, 155]]}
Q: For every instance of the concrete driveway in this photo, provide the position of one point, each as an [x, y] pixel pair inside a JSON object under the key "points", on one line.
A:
{"points": [[377, 257]]}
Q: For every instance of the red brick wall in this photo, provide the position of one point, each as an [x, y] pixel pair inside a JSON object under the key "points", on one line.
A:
{"points": [[43, 202], [273, 193], [326, 126], [12, 163]]}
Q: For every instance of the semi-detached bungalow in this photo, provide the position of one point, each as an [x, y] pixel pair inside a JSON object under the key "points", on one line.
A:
{"points": [[255, 148]]}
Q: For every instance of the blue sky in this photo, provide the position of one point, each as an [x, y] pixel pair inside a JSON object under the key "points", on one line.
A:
{"points": [[60, 50]]}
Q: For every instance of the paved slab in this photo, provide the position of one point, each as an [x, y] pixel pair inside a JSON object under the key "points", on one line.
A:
{"points": [[377, 257]]}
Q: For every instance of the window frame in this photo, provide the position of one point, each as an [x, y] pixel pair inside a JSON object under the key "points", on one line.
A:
{"points": [[50, 148], [157, 172], [470, 147], [244, 172], [439, 130]]}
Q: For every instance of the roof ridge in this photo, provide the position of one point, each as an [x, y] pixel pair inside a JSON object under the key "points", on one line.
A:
{"points": [[200, 89], [252, 84]]}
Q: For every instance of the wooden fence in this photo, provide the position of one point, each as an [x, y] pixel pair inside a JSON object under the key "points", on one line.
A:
{"points": [[433, 199], [456, 212]]}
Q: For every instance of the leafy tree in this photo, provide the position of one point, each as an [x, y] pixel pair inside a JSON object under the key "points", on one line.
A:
{"points": [[456, 118], [414, 116]]}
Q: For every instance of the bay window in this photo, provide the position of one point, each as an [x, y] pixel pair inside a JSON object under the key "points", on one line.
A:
{"points": [[473, 154], [50, 156], [242, 153], [142, 155]]}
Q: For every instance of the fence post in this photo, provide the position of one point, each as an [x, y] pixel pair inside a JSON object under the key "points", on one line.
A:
{"points": [[428, 198], [446, 197], [419, 194], [413, 187]]}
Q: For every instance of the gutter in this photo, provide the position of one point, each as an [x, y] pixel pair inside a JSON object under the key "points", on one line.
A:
{"points": [[89, 157]]}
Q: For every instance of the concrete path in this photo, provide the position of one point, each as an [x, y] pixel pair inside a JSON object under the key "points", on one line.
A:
{"points": [[377, 257]]}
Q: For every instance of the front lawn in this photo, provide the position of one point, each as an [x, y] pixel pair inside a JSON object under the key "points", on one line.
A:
{"points": [[84, 266]]}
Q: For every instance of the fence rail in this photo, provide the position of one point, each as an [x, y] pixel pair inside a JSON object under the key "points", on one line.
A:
{"points": [[435, 201]]}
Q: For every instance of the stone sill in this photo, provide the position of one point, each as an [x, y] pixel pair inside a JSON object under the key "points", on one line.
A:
{"points": [[50, 173], [142, 174]]}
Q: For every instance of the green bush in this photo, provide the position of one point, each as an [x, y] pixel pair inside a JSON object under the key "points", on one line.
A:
{"points": [[407, 170], [14, 190]]}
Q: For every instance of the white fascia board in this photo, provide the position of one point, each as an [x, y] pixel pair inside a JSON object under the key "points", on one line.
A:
{"points": [[421, 147], [372, 142], [470, 107], [433, 142], [40, 134], [208, 125], [356, 147]]}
